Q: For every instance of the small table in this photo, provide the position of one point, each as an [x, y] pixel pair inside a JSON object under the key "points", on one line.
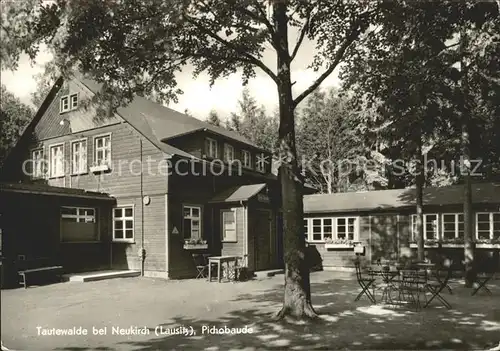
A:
{"points": [[387, 274], [219, 260]]}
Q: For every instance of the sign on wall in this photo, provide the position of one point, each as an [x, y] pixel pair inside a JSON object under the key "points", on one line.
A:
{"points": [[262, 198], [175, 231]]}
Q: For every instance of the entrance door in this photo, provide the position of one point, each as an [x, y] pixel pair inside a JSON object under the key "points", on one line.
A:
{"points": [[262, 232]]}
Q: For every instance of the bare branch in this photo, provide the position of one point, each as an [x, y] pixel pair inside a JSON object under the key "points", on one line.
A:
{"points": [[238, 52]]}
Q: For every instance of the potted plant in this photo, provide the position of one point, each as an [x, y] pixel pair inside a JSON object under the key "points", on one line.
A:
{"points": [[455, 242], [427, 243], [488, 243], [339, 244], [195, 244]]}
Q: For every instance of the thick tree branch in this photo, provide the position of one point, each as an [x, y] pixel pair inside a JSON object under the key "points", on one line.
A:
{"points": [[339, 55], [302, 34], [248, 58], [263, 17]]}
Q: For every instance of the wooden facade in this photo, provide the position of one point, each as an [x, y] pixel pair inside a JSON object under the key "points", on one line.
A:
{"points": [[151, 179], [387, 234]]}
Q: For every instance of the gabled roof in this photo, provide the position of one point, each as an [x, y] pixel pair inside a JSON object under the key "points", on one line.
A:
{"points": [[482, 193], [44, 189], [133, 114], [238, 193], [167, 123]]}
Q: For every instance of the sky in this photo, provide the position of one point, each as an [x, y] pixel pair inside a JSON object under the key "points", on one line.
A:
{"points": [[198, 97]]}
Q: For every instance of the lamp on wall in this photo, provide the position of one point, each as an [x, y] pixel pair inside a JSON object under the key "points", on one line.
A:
{"points": [[66, 121]]}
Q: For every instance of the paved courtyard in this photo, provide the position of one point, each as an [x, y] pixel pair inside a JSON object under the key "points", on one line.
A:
{"points": [[147, 314]]}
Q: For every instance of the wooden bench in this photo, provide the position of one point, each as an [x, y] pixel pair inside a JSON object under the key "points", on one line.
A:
{"points": [[37, 267]]}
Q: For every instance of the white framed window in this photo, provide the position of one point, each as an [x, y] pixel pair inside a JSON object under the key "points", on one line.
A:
{"points": [[331, 228], [64, 105], [346, 228], [79, 156], [123, 223], [228, 153], [102, 150], [452, 225], [247, 159], [192, 222], [488, 225], [260, 163], [78, 214], [228, 220], [73, 99], [38, 161], [211, 147], [431, 226], [79, 224], [56, 160]]}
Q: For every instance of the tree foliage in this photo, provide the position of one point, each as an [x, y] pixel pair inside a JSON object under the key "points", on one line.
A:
{"points": [[254, 123], [331, 148], [433, 67], [14, 116], [43, 85], [213, 118], [137, 46]]}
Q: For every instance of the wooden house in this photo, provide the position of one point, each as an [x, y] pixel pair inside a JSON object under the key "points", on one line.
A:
{"points": [[138, 189], [381, 224]]}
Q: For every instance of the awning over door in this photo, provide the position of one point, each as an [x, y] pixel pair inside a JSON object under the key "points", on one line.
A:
{"points": [[238, 193]]}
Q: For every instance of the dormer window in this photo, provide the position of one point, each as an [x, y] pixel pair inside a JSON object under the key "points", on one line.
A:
{"points": [[211, 148], [64, 107], [247, 159], [68, 103], [74, 101], [228, 153], [260, 163]]}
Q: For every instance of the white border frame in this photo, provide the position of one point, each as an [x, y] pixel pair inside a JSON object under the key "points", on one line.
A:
{"points": [[124, 240], [86, 154], [50, 176]]}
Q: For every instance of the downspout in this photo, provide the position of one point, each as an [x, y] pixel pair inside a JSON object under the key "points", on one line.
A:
{"points": [[245, 234], [143, 252]]}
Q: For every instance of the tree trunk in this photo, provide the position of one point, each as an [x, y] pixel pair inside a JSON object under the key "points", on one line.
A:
{"points": [[419, 182], [470, 276], [297, 298]]}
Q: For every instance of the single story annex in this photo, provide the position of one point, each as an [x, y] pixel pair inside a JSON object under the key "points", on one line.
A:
{"points": [[383, 222]]}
